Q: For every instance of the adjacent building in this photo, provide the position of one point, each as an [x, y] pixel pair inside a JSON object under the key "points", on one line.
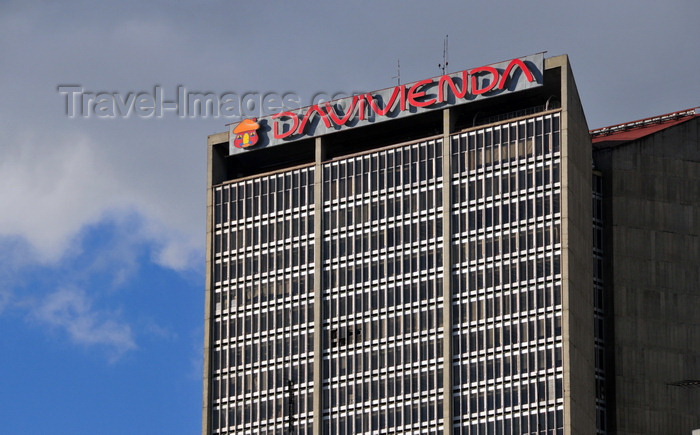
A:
{"points": [[648, 173], [443, 257]]}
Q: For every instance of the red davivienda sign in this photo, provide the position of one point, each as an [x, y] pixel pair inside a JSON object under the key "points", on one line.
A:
{"points": [[406, 96], [392, 103]]}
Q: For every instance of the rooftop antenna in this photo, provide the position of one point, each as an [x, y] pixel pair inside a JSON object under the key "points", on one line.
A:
{"points": [[398, 71], [445, 60]]}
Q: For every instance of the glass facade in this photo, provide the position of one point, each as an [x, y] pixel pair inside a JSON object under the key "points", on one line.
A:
{"points": [[381, 281], [262, 362], [382, 292], [506, 279]]}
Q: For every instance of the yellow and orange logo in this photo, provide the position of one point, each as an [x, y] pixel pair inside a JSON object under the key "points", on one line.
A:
{"points": [[245, 133]]}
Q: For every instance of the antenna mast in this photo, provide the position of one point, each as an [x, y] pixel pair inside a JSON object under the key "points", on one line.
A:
{"points": [[398, 71], [445, 60]]}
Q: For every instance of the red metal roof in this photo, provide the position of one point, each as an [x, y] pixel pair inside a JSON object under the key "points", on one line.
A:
{"points": [[619, 134]]}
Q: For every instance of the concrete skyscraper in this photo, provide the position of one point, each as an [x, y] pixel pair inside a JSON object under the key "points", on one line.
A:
{"points": [[429, 258]]}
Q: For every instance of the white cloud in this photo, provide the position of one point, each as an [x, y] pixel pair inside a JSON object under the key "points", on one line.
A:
{"points": [[47, 193], [58, 176], [54, 185], [71, 310]]}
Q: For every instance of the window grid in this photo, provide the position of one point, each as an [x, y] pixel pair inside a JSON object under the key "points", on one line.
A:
{"points": [[381, 279], [263, 304], [506, 278], [382, 296]]}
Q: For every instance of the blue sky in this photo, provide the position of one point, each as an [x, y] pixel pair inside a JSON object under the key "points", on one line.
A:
{"points": [[102, 220]]}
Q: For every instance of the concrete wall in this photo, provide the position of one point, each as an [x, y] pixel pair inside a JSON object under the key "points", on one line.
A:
{"points": [[215, 167], [652, 212], [577, 259]]}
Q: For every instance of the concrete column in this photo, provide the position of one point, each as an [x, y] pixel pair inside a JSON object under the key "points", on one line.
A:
{"points": [[446, 274], [214, 168], [318, 289]]}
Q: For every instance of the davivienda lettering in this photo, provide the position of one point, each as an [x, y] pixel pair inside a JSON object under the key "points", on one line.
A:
{"points": [[402, 100]]}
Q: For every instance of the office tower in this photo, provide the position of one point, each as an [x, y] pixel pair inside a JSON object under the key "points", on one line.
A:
{"points": [[418, 259]]}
